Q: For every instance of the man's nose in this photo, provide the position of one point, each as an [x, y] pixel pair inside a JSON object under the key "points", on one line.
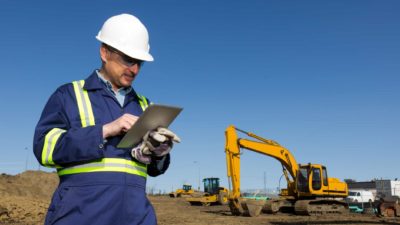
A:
{"points": [[134, 68]]}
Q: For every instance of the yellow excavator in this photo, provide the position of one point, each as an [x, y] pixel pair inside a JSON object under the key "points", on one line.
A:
{"points": [[186, 191], [309, 189], [213, 193]]}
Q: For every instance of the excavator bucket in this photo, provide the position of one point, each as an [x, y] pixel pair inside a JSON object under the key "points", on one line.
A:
{"points": [[235, 206], [252, 207]]}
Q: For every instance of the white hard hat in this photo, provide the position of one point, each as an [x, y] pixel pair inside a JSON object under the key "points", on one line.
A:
{"points": [[127, 34]]}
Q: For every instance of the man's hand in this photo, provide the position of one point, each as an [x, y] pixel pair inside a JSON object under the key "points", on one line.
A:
{"points": [[157, 143], [162, 135], [119, 126]]}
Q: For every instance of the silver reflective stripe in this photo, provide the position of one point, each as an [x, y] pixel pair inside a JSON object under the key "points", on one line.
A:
{"points": [[84, 104]]}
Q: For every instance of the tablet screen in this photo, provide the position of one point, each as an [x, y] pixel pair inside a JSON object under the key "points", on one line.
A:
{"points": [[153, 117]]}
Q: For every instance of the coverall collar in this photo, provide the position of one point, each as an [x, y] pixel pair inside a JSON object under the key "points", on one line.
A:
{"points": [[94, 83]]}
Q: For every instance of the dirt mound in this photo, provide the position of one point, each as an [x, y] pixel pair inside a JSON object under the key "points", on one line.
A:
{"points": [[25, 197], [35, 184]]}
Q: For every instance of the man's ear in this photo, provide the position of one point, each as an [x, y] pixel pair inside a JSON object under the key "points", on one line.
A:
{"points": [[103, 53]]}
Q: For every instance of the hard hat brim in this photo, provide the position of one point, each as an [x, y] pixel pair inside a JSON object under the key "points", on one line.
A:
{"points": [[141, 55]]}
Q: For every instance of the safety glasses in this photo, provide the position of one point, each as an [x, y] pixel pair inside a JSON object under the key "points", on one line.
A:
{"points": [[124, 59]]}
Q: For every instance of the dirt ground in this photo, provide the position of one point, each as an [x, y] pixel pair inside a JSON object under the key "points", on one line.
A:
{"points": [[178, 211], [24, 199]]}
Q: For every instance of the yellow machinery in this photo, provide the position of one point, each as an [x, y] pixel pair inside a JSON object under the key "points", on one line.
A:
{"points": [[213, 193], [309, 189], [186, 191]]}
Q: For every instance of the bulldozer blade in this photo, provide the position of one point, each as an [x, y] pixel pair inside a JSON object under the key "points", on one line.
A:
{"points": [[172, 195]]}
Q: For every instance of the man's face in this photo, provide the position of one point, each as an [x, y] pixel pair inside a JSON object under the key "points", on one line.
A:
{"points": [[119, 68]]}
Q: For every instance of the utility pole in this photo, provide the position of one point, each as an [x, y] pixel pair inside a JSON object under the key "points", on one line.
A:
{"points": [[265, 182], [198, 164], [27, 158], [199, 178]]}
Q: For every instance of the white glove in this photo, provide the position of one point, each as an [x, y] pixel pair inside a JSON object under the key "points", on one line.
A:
{"points": [[137, 153], [155, 143]]}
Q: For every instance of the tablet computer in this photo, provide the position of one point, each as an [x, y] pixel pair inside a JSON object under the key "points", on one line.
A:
{"points": [[154, 116]]}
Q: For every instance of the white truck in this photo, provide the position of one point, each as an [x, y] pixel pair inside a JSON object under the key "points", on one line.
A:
{"points": [[360, 196]]}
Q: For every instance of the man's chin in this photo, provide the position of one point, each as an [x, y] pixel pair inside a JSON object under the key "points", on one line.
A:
{"points": [[126, 84], [127, 81]]}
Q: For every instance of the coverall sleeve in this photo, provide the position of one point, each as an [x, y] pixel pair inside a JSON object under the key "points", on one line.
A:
{"points": [[158, 165], [56, 143]]}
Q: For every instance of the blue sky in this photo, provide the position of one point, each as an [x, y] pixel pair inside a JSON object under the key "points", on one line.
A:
{"points": [[320, 77]]}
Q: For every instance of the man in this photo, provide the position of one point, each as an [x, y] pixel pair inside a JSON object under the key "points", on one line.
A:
{"points": [[83, 122]]}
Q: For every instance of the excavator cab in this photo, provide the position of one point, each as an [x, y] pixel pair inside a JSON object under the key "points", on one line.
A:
{"points": [[211, 185], [312, 179], [302, 180]]}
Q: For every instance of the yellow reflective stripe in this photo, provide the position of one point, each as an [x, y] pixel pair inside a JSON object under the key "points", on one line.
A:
{"points": [[107, 165], [143, 102], [50, 141], [84, 105]]}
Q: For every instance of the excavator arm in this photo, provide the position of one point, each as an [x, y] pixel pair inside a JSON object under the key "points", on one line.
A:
{"points": [[262, 146]]}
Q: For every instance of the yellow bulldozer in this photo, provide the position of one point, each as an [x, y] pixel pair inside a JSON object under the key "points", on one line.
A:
{"points": [[186, 191], [309, 189], [213, 194]]}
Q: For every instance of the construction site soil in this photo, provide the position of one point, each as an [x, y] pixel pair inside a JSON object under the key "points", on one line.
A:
{"points": [[24, 199]]}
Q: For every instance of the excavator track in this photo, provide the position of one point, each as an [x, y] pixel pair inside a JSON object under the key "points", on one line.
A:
{"points": [[278, 205], [271, 207], [319, 207]]}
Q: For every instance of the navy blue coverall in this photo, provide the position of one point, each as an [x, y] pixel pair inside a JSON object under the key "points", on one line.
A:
{"points": [[99, 183]]}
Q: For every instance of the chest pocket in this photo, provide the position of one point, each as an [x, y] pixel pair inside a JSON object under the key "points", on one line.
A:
{"points": [[85, 107]]}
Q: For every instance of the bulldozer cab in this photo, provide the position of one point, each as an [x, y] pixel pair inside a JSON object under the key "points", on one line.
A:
{"points": [[211, 185], [187, 187]]}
